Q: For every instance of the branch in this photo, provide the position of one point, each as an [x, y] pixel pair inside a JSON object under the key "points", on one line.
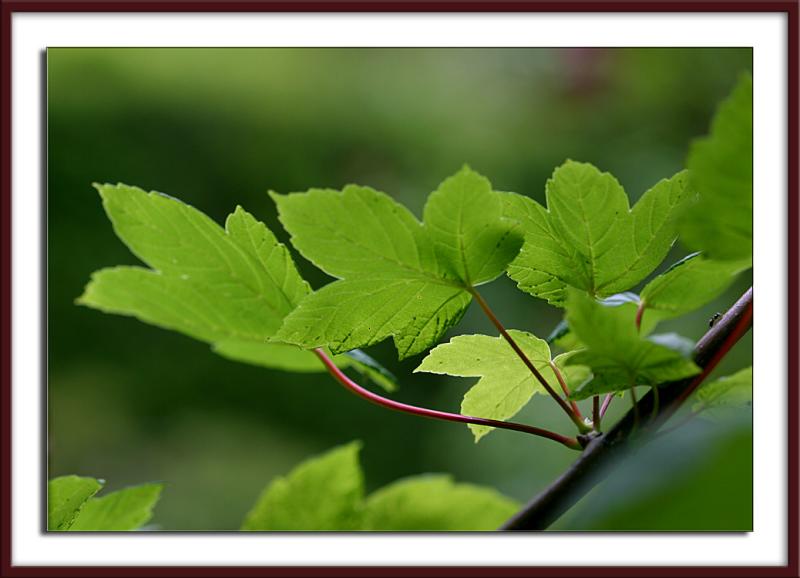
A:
{"points": [[593, 465], [351, 385]]}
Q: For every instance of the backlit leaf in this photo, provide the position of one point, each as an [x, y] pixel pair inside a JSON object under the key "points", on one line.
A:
{"points": [[688, 284], [505, 385], [323, 493], [399, 278], [617, 354], [588, 237], [434, 503], [127, 509], [230, 287], [65, 498]]}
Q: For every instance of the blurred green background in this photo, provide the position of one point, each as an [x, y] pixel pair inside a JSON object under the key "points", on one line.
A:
{"points": [[219, 127]]}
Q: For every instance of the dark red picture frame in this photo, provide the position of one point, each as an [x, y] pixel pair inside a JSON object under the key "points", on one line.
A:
{"points": [[789, 7]]}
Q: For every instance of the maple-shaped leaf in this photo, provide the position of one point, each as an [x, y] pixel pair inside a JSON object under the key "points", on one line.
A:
{"points": [[326, 493], [506, 384], [230, 287], [588, 237], [397, 277], [619, 357]]}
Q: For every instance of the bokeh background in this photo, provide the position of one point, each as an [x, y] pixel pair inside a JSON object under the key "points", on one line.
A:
{"points": [[219, 127]]}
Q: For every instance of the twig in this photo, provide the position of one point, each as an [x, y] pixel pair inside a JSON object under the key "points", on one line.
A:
{"points": [[600, 452], [351, 385], [639, 312], [606, 402], [565, 388]]}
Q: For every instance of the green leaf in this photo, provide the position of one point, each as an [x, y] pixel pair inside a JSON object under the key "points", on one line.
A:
{"points": [[434, 503], [237, 282], [688, 284], [721, 165], [588, 237], [231, 287], [574, 375], [563, 337], [356, 231], [398, 277], [587, 213], [505, 384], [357, 313], [473, 241], [654, 220], [725, 393], [619, 357], [127, 509], [65, 498], [323, 493]]}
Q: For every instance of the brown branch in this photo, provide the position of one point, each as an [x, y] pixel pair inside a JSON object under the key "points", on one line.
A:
{"points": [[595, 461]]}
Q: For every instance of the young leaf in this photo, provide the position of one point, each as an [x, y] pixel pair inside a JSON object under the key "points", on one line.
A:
{"points": [[505, 383], [435, 503], [127, 509], [721, 165], [65, 498], [588, 237], [563, 337], [617, 355], [688, 284], [725, 393], [323, 493], [292, 358], [398, 277]]}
